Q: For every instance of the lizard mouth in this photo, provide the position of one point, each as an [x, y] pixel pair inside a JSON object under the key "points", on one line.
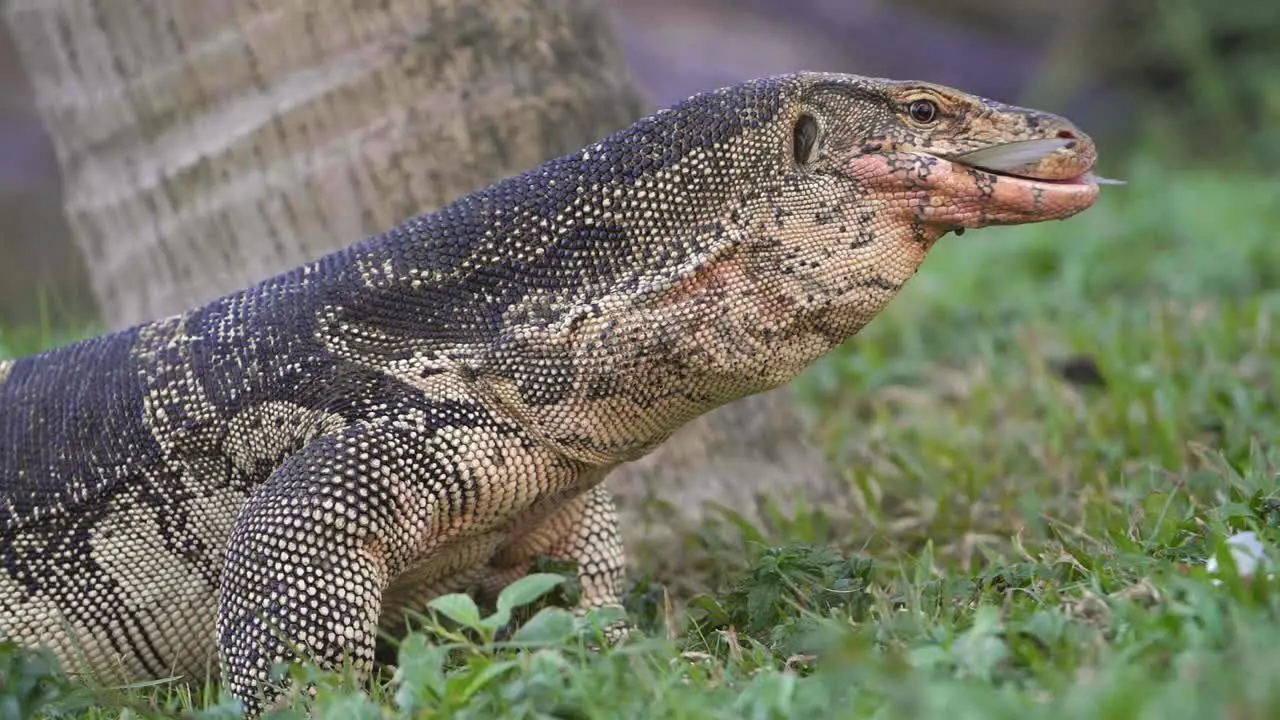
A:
{"points": [[1037, 161]]}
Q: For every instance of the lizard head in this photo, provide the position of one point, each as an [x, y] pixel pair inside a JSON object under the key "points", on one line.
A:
{"points": [[804, 203], [947, 159]]}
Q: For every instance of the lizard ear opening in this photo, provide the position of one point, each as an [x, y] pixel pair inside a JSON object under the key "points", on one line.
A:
{"points": [[805, 139]]}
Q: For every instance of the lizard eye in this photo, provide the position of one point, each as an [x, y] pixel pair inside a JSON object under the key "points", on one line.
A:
{"points": [[923, 111], [805, 139]]}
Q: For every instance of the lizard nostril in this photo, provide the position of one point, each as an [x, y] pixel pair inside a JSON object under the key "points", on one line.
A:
{"points": [[1068, 135]]}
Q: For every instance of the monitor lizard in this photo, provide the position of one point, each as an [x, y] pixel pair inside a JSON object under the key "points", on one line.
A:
{"points": [[278, 473]]}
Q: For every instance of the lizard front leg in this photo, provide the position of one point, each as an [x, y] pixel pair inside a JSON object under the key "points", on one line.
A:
{"points": [[585, 532], [421, 496], [305, 568]]}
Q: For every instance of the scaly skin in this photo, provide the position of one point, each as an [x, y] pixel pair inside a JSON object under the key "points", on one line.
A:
{"points": [[285, 469]]}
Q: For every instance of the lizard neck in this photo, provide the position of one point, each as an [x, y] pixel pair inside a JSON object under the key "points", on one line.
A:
{"points": [[603, 342], [609, 386]]}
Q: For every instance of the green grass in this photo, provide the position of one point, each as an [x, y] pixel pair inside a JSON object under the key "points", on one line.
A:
{"points": [[1019, 542]]}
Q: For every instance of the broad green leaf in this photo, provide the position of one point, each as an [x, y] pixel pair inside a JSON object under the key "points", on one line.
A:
{"points": [[485, 676], [550, 625], [419, 674], [603, 617], [459, 608], [978, 650], [521, 592], [528, 589], [356, 706]]}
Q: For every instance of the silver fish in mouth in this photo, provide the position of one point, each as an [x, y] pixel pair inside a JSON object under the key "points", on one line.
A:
{"points": [[1021, 158]]}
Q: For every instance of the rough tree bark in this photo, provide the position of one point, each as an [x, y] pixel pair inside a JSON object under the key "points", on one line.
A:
{"points": [[207, 144]]}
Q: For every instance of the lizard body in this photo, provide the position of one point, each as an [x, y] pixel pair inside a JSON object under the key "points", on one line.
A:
{"points": [[280, 472]]}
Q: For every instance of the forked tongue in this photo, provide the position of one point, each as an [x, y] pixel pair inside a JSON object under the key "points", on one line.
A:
{"points": [[1019, 154]]}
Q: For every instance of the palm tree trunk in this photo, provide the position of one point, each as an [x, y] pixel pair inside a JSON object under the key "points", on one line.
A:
{"points": [[207, 145]]}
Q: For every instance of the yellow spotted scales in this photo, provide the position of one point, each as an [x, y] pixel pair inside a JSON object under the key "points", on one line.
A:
{"points": [[286, 469]]}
